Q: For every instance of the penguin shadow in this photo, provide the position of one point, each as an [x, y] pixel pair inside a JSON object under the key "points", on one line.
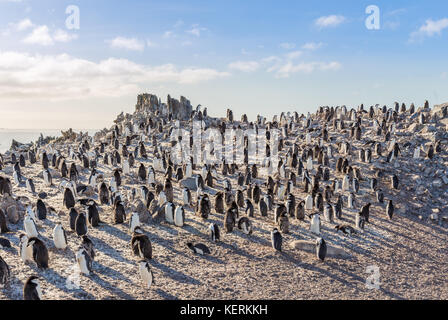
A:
{"points": [[189, 228], [110, 287], [99, 268], [106, 249], [391, 294], [238, 251], [252, 237], [114, 231], [174, 274], [13, 289], [165, 295], [164, 226]]}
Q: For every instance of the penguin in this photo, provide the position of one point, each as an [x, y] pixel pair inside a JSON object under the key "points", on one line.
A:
{"points": [[84, 261], [198, 248], [141, 245], [32, 289], [263, 207], [230, 219], [41, 210], [87, 244], [309, 202], [30, 186], [47, 178], [26, 253], [345, 229], [69, 199], [394, 182], [30, 227], [365, 211], [169, 212], [351, 201], [142, 172], [134, 222], [4, 273], [300, 211], [81, 224], [321, 249], [245, 225], [315, 224], [214, 232], [73, 214], [256, 193], [186, 197], [179, 216], [380, 196], [119, 212], [249, 208], [103, 193], [3, 226], [390, 209], [146, 274], [276, 239], [59, 237], [360, 221], [92, 215], [40, 252], [328, 213]]}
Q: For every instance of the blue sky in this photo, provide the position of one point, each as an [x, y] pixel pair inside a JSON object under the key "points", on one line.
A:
{"points": [[253, 56]]}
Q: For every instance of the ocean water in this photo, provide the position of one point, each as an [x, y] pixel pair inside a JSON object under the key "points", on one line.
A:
{"points": [[28, 135]]}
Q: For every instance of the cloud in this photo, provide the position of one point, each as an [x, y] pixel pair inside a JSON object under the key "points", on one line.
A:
{"points": [[168, 34], [23, 25], [127, 43], [287, 45], [285, 70], [293, 55], [429, 29], [41, 36], [196, 30], [62, 36], [244, 66], [312, 46], [329, 21], [61, 77]]}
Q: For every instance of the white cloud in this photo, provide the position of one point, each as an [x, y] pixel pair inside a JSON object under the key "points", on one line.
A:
{"points": [[41, 36], [287, 45], [244, 66], [312, 46], [329, 21], [61, 77], [62, 36], [429, 29], [285, 70], [127, 43], [293, 55], [168, 34], [196, 30], [23, 25]]}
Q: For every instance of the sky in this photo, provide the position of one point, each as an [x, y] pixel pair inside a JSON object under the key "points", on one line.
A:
{"points": [[80, 63]]}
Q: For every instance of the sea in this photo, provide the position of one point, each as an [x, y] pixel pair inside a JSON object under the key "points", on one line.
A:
{"points": [[29, 135]]}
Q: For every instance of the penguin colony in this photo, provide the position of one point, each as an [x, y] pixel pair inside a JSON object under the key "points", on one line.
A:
{"points": [[124, 182]]}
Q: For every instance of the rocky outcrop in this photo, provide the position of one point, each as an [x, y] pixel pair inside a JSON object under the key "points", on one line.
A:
{"points": [[179, 109]]}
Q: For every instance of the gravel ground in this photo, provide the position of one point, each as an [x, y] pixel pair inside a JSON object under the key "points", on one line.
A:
{"points": [[411, 253]]}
